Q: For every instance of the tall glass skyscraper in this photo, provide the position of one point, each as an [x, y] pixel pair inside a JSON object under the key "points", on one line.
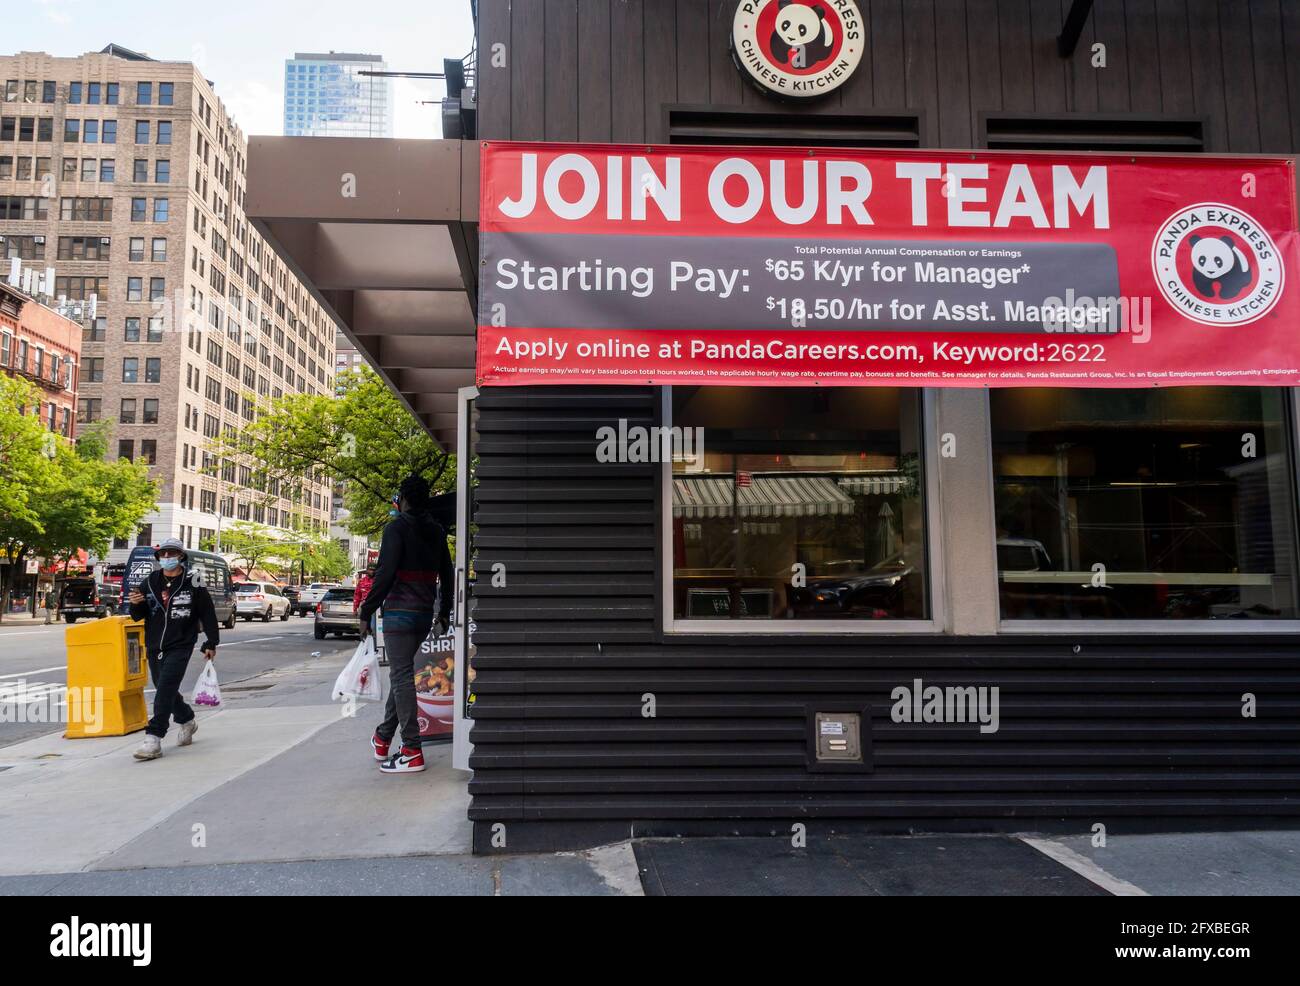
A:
{"points": [[326, 96]]}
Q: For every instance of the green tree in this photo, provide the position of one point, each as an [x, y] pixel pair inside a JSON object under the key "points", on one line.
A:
{"points": [[364, 436], [317, 557], [27, 476], [255, 544], [92, 501]]}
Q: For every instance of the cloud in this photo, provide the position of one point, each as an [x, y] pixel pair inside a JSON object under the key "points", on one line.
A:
{"points": [[256, 107]]}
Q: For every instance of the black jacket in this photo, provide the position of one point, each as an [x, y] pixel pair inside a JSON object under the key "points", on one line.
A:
{"points": [[177, 624], [413, 560]]}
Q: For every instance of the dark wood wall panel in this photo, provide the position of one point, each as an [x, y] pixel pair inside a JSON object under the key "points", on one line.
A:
{"points": [[627, 34], [528, 70], [595, 65], [560, 80], [602, 70]]}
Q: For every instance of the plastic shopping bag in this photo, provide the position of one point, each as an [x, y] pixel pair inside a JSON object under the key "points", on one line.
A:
{"points": [[206, 689], [360, 679]]}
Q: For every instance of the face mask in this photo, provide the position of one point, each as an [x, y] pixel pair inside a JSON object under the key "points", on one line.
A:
{"points": [[169, 564]]}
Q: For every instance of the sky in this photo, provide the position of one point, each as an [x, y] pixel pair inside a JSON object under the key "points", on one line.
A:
{"points": [[241, 45]]}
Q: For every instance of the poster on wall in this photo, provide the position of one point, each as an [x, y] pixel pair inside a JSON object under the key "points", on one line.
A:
{"points": [[788, 266], [435, 679]]}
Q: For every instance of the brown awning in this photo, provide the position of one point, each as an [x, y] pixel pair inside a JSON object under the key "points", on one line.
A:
{"points": [[385, 235]]}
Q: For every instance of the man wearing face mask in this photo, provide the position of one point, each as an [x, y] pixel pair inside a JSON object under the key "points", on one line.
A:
{"points": [[174, 608]]}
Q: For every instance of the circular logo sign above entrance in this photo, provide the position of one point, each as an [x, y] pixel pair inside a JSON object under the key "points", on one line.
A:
{"points": [[1216, 265], [798, 49]]}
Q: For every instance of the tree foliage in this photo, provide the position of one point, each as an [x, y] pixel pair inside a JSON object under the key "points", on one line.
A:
{"points": [[364, 437], [57, 498]]}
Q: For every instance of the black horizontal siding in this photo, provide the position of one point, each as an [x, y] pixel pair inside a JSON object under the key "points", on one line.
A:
{"points": [[1090, 726]]}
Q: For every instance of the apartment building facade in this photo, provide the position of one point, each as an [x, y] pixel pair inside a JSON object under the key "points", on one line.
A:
{"points": [[41, 346], [126, 175]]}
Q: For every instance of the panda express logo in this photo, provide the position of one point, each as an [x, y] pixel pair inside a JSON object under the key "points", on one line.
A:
{"points": [[1216, 265], [797, 48]]}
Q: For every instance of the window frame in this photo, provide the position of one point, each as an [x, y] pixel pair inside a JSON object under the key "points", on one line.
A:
{"points": [[935, 623]]}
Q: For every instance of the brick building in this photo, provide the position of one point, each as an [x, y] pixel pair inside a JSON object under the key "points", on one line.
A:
{"points": [[126, 175]]}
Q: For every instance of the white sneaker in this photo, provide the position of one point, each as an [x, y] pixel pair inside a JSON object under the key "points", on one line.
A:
{"points": [[150, 749], [188, 729]]}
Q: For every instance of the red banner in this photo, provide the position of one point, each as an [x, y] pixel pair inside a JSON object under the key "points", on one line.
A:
{"points": [[787, 266]]}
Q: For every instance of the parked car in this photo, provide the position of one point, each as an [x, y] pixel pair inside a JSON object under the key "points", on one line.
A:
{"points": [[334, 613], [260, 600], [83, 598], [210, 570], [310, 595]]}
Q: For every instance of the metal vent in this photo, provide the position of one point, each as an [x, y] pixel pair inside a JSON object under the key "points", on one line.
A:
{"points": [[711, 125], [1091, 132]]}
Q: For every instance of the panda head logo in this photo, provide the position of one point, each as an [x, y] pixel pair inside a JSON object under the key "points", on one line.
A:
{"points": [[801, 36], [1219, 267], [798, 49]]}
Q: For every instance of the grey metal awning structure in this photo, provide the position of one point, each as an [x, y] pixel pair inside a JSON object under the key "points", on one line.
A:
{"points": [[385, 235]]}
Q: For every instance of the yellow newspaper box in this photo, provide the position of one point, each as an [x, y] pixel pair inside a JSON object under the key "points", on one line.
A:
{"points": [[107, 672]]}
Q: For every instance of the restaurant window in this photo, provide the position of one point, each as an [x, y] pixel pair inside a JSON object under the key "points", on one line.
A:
{"points": [[800, 505], [1159, 504]]}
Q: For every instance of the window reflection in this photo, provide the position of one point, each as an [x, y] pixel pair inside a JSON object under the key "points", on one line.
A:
{"points": [[1144, 504], [805, 505]]}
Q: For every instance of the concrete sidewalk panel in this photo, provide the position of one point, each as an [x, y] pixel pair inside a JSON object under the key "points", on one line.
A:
{"points": [[320, 800], [70, 803]]}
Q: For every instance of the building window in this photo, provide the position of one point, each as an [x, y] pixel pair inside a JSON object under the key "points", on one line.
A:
{"points": [[95, 369], [143, 93], [132, 328], [89, 409], [135, 250], [97, 330], [142, 131], [162, 172], [165, 91], [134, 288], [157, 288], [140, 169], [153, 370], [48, 92], [110, 132], [112, 91], [130, 369], [127, 413], [160, 210], [159, 249], [74, 92], [164, 131], [45, 130], [149, 451], [126, 449], [145, 535], [107, 169], [149, 413], [155, 329], [139, 210], [1154, 504], [803, 506]]}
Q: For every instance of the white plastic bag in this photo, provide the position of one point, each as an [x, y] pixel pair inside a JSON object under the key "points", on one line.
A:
{"points": [[360, 679], [206, 689]]}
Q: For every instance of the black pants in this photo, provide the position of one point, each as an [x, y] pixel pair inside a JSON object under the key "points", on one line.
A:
{"points": [[400, 707], [167, 669]]}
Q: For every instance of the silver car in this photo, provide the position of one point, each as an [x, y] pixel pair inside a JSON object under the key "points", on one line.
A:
{"points": [[334, 613]]}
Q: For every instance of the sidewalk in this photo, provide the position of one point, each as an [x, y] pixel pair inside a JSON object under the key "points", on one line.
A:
{"points": [[26, 620], [278, 794]]}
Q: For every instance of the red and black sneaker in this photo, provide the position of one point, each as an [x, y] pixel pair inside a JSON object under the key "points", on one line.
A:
{"points": [[405, 761], [380, 746]]}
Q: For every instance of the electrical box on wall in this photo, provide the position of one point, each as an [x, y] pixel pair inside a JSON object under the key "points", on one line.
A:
{"points": [[839, 740]]}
